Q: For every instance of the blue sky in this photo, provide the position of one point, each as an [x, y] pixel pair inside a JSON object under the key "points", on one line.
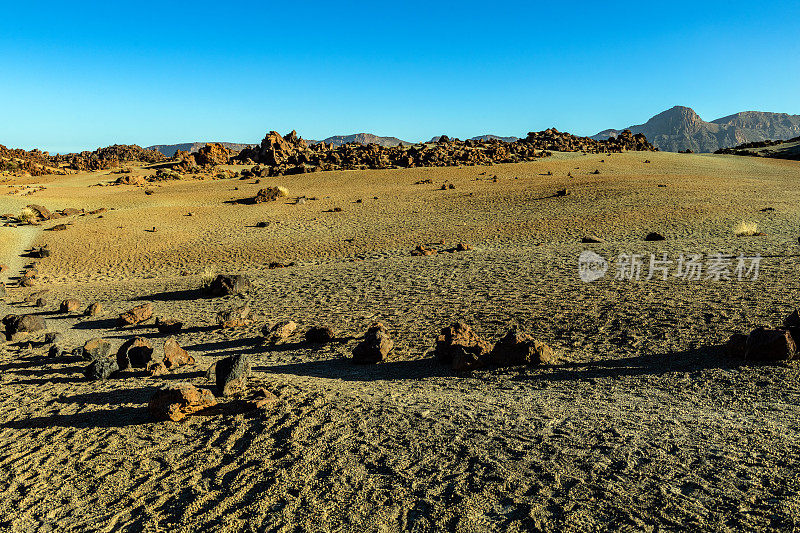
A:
{"points": [[81, 75]]}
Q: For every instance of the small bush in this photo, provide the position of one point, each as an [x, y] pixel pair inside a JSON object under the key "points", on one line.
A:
{"points": [[206, 277], [745, 229], [28, 215]]}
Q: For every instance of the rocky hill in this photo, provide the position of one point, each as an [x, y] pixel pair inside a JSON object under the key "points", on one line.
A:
{"points": [[680, 128], [169, 150], [776, 149]]}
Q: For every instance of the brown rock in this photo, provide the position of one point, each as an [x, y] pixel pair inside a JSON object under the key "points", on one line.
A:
{"points": [[770, 345], [736, 347], [179, 401], [231, 374], [70, 305], [235, 317], [517, 348], [94, 309], [135, 353], [375, 346], [175, 356], [168, 326], [461, 347], [228, 285], [421, 250], [137, 315], [280, 331]]}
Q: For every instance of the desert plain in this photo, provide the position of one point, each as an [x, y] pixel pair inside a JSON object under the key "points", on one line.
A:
{"points": [[643, 422]]}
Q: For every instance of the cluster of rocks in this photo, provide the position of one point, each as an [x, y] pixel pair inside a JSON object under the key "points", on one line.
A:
{"points": [[290, 154], [18, 162], [108, 157], [767, 344], [462, 349]]}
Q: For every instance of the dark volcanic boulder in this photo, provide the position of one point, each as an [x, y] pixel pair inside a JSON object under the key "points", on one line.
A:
{"points": [[95, 349], [231, 374], [461, 347], [736, 346], [101, 369], [770, 345], [653, 236], [319, 335], [375, 346], [17, 325], [234, 317], [227, 285], [168, 326], [179, 401], [517, 348], [792, 323], [135, 353]]}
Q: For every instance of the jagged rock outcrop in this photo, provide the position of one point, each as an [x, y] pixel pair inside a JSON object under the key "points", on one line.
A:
{"points": [[290, 154]]}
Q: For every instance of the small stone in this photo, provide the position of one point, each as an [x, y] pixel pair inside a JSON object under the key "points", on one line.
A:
{"points": [[517, 348], [461, 348], [235, 317], [653, 236], [70, 305], [93, 309]]}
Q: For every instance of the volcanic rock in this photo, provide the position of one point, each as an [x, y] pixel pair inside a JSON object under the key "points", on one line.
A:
{"points": [[137, 315], [179, 401], [319, 334], [375, 346], [175, 356], [227, 285], [231, 374], [461, 347], [517, 348], [280, 331], [770, 345], [70, 305], [135, 353]]}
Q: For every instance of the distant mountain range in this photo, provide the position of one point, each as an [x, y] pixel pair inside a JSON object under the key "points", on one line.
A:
{"points": [[170, 149], [362, 138], [482, 138], [680, 128]]}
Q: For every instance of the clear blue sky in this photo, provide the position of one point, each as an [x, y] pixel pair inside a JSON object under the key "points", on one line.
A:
{"points": [[79, 75]]}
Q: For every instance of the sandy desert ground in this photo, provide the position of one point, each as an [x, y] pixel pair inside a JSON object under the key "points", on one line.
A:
{"points": [[644, 423]]}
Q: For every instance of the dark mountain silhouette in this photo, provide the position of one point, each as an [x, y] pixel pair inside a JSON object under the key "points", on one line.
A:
{"points": [[680, 128]]}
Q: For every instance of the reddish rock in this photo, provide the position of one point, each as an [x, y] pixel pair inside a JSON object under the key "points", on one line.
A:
{"points": [[175, 356], [137, 315], [178, 401], [461, 347], [517, 348], [95, 349]]}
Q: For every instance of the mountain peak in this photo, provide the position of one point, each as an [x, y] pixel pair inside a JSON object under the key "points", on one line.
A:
{"points": [[680, 128]]}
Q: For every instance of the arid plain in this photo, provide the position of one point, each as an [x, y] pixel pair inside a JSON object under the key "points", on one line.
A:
{"points": [[642, 423]]}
